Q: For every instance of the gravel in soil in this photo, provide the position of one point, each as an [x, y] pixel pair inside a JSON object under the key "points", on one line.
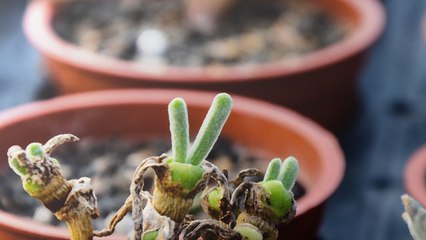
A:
{"points": [[248, 32]]}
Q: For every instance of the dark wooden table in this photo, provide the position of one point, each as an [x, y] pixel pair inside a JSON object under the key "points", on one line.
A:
{"points": [[389, 127]]}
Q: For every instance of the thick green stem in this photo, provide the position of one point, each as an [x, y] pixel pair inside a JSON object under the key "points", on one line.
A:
{"points": [[178, 118], [210, 129]]}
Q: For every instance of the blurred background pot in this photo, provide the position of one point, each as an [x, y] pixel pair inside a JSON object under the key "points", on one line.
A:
{"points": [[269, 130], [321, 84], [415, 175]]}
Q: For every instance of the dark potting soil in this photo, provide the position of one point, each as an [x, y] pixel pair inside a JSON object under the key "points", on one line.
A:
{"points": [[251, 31], [110, 164]]}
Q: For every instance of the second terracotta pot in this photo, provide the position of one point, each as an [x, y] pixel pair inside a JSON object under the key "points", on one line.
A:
{"points": [[321, 85]]}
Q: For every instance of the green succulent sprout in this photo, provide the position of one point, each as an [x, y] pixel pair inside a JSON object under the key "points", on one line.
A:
{"points": [[214, 198], [278, 181], [185, 167], [173, 196], [71, 201], [270, 201]]}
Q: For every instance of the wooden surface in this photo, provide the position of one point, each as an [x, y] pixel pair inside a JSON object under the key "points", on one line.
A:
{"points": [[390, 126]]}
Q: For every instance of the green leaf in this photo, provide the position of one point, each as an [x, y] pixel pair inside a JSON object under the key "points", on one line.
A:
{"points": [[288, 173], [273, 170], [210, 129], [178, 118]]}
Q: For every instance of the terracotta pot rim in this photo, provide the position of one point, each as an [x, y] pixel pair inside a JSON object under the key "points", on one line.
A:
{"points": [[324, 142], [414, 175], [38, 29]]}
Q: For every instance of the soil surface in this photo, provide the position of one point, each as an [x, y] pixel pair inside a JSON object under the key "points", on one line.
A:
{"points": [[110, 164], [249, 31]]}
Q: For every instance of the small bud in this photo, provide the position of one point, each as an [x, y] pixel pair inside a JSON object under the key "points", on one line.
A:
{"points": [[279, 199], [35, 151], [214, 198], [248, 232]]}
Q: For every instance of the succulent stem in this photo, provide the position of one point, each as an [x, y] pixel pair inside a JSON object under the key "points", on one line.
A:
{"points": [[80, 227], [186, 175], [79, 210], [169, 201]]}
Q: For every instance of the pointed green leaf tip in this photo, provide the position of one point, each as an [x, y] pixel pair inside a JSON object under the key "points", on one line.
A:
{"points": [[288, 173], [210, 129], [178, 118]]}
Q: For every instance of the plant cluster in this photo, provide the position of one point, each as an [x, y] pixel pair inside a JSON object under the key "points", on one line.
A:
{"points": [[239, 208]]}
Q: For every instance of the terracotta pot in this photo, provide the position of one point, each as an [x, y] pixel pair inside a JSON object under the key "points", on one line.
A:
{"points": [[415, 175], [321, 85], [266, 129]]}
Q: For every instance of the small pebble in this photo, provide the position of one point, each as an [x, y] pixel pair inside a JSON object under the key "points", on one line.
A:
{"points": [[152, 43]]}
